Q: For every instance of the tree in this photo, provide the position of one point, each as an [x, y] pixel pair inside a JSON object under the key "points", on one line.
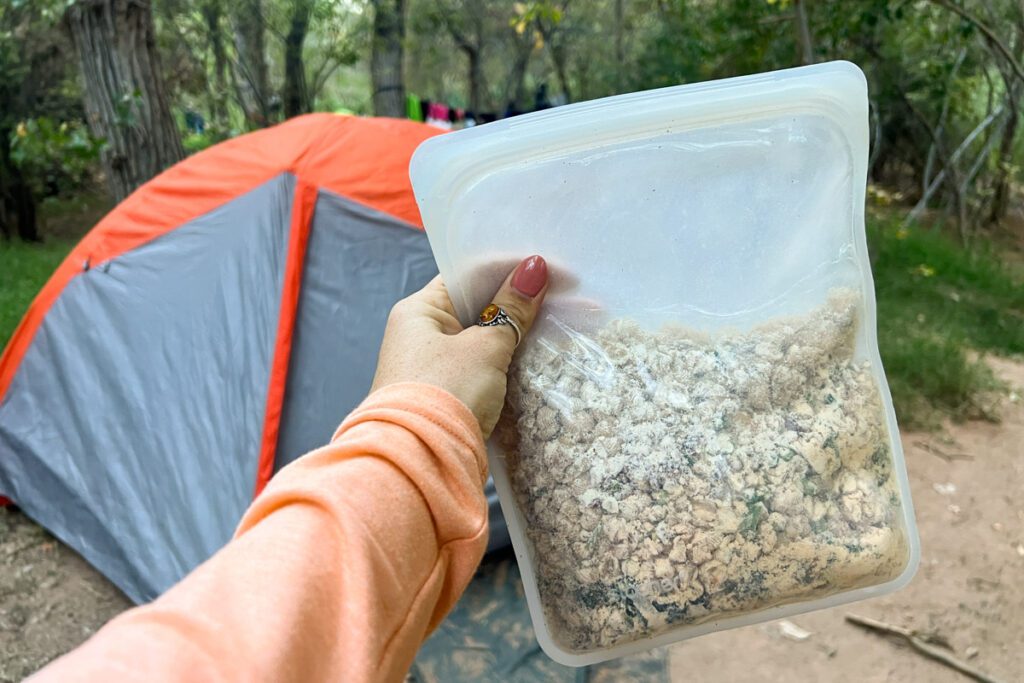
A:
{"points": [[37, 90], [125, 101], [803, 32], [250, 75], [1004, 158], [386, 57], [525, 38], [337, 37], [17, 204], [464, 20], [620, 52], [212, 12], [553, 30], [295, 96]]}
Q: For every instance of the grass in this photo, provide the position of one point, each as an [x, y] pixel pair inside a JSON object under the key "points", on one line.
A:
{"points": [[24, 268], [937, 305]]}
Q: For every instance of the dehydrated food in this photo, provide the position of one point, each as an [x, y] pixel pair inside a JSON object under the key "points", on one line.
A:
{"points": [[668, 478]]}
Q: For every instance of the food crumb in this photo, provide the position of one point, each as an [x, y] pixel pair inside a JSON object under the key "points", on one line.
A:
{"points": [[668, 478]]}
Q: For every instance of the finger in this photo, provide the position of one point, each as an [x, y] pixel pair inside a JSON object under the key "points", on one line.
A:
{"points": [[436, 294], [434, 304], [520, 296]]}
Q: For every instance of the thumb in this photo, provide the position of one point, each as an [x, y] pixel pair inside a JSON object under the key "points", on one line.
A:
{"points": [[520, 297]]}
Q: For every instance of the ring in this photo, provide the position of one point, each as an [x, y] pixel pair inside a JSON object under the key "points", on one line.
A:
{"points": [[495, 315]]}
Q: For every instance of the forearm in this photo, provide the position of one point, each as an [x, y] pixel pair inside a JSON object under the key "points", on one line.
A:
{"points": [[339, 569]]}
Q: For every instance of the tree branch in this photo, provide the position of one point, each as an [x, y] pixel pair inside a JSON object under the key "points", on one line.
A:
{"points": [[989, 33], [950, 170], [919, 644], [915, 213]]}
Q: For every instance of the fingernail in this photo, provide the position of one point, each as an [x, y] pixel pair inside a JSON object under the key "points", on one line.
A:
{"points": [[530, 276]]}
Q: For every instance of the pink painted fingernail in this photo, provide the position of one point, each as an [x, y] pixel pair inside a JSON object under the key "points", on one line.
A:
{"points": [[530, 277]]}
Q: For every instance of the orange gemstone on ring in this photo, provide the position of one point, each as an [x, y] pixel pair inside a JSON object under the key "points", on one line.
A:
{"points": [[489, 313]]}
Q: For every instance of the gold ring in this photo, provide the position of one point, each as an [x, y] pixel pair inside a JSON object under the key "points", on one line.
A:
{"points": [[495, 315]]}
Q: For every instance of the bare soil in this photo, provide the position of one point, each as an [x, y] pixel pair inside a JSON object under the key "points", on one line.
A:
{"points": [[50, 598], [968, 488]]}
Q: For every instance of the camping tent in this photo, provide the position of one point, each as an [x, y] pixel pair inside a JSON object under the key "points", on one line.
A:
{"points": [[216, 325]]}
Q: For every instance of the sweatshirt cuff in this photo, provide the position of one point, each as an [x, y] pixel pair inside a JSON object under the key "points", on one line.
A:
{"points": [[432, 403]]}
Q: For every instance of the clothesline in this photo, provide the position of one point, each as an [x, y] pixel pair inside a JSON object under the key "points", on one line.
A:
{"points": [[437, 113], [444, 116]]}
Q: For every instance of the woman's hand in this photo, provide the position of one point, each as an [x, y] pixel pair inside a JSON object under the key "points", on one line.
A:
{"points": [[424, 342]]}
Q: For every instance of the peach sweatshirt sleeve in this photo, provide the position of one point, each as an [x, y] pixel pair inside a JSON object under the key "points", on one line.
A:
{"points": [[339, 569]]}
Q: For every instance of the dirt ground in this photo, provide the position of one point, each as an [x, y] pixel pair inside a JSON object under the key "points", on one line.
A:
{"points": [[968, 489]]}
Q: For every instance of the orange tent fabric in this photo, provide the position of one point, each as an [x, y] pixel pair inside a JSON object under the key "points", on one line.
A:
{"points": [[375, 173], [305, 146]]}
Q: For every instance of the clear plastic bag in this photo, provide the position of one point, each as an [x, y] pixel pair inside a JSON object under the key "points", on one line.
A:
{"points": [[698, 433], [667, 478]]}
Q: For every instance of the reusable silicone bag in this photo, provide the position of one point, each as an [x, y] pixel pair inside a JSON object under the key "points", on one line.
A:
{"points": [[698, 434]]}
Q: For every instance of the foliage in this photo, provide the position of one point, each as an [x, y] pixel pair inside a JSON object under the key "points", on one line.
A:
{"points": [[946, 99], [937, 303], [57, 157], [49, 10], [340, 37], [945, 96], [195, 34], [197, 142], [35, 81]]}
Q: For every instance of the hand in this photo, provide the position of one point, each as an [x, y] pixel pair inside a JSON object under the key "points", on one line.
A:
{"points": [[424, 342]]}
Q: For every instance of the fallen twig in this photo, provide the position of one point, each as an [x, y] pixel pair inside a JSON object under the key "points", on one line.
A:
{"points": [[919, 644], [935, 450]]}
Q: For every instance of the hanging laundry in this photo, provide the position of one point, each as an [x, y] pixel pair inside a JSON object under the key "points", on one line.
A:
{"points": [[437, 115], [412, 108]]}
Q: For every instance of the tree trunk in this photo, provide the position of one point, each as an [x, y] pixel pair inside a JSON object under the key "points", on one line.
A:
{"points": [[386, 58], [473, 49], [1001, 196], [211, 11], [950, 169], [803, 32], [17, 203], [558, 57], [620, 52], [24, 206], [555, 41], [515, 86], [475, 79], [296, 95], [125, 101], [251, 81], [1014, 89]]}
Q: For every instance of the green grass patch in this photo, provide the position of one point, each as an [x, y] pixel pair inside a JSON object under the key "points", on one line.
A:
{"points": [[938, 302], [24, 269]]}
